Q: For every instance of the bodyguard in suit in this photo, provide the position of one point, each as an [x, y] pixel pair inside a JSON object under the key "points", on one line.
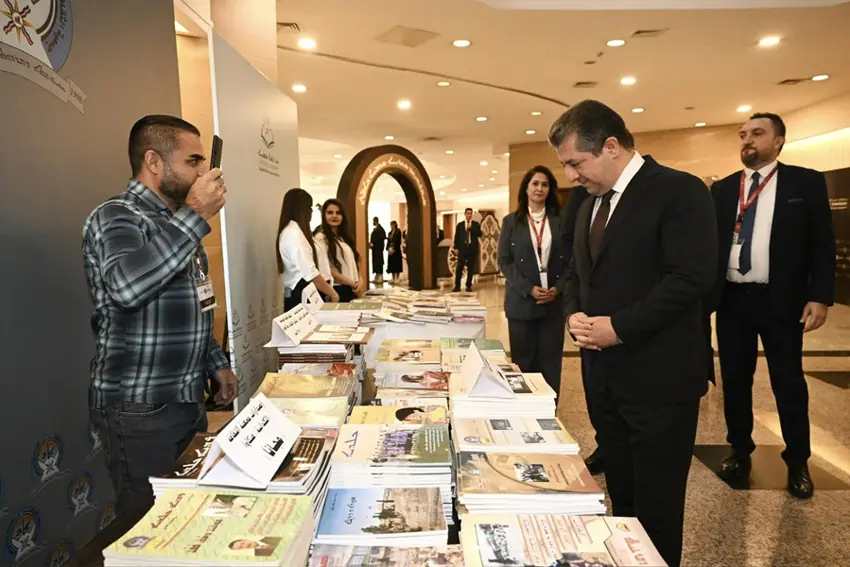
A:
{"points": [[775, 280], [532, 260], [643, 260], [467, 234]]}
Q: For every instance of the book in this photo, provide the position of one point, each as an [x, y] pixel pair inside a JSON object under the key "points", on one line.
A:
{"points": [[514, 435], [314, 412], [418, 413], [324, 555]]}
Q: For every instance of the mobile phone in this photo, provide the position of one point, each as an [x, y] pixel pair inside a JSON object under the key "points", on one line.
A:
{"points": [[215, 157]]}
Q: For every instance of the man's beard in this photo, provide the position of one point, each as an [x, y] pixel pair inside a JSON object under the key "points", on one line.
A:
{"points": [[174, 187], [752, 158]]}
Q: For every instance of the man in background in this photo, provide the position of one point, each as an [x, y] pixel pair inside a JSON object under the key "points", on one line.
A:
{"points": [[148, 276], [376, 244], [775, 281], [467, 234]]}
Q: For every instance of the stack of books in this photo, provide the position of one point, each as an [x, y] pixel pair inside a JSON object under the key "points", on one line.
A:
{"points": [[349, 314], [196, 528], [531, 397], [407, 356], [510, 539], [315, 353], [314, 412], [310, 386], [394, 456], [514, 435], [501, 483], [412, 411], [324, 555]]}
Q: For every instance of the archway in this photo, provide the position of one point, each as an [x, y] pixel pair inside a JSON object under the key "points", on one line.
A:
{"points": [[355, 188]]}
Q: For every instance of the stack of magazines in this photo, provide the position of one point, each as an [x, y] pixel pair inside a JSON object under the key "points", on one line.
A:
{"points": [[198, 528], [410, 411], [348, 555], [509, 539], [411, 356], [532, 397], [501, 483], [346, 313], [514, 435], [315, 353], [311, 386]]}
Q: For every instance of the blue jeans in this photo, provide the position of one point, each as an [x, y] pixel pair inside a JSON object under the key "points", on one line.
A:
{"points": [[143, 440]]}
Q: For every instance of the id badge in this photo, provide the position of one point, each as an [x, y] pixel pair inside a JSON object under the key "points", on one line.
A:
{"points": [[206, 295], [544, 280], [735, 255]]}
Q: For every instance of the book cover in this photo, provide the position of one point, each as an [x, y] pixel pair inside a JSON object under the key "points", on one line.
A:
{"points": [[381, 511], [514, 432], [504, 473], [305, 386], [429, 380], [409, 414], [313, 412], [393, 444], [364, 556]]}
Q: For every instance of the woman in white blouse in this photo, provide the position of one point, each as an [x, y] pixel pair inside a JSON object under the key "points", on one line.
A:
{"points": [[531, 258], [297, 260], [334, 242]]}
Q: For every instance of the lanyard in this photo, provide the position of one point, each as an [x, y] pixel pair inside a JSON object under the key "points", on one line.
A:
{"points": [[201, 275], [539, 237], [753, 196]]}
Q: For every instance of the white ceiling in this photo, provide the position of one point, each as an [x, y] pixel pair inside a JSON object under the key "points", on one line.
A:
{"points": [[528, 60]]}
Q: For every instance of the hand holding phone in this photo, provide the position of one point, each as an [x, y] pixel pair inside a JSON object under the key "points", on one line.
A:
{"points": [[215, 156]]}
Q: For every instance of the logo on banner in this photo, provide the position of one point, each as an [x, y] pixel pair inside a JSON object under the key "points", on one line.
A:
{"points": [[47, 462], [35, 41], [79, 493], [267, 162], [267, 134], [61, 554], [94, 440], [106, 516], [22, 536]]}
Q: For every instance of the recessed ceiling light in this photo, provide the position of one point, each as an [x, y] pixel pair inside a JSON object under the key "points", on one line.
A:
{"points": [[744, 108], [483, 162], [461, 43], [464, 189], [629, 80], [450, 152], [492, 179], [495, 171], [442, 177], [442, 193], [443, 83], [637, 110], [536, 113], [404, 104], [531, 132], [480, 185], [699, 124], [769, 41], [299, 88], [337, 156], [616, 43], [481, 118], [307, 43], [180, 28], [820, 77], [507, 154], [389, 138]]}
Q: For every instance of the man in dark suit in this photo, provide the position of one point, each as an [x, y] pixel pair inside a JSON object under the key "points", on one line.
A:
{"points": [[775, 280], [643, 260], [376, 244], [467, 234], [595, 463]]}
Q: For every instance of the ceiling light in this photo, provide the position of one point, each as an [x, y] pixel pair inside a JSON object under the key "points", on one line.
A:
{"points": [[443, 83], [450, 152], [464, 189], [299, 88], [483, 162], [531, 132], [307, 43], [180, 28], [769, 41], [389, 138], [495, 171], [442, 177], [507, 154], [404, 104], [492, 179], [442, 193], [461, 43], [337, 156], [744, 108], [637, 110], [627, 80], [480, 185], [820, 77], [536, 113], [481, 118], [699, 124], [616, 43]]}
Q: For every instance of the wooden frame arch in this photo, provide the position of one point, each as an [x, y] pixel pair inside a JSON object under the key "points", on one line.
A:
{"points": [[355, 188]]}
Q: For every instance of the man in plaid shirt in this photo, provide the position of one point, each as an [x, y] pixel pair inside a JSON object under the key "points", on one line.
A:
{"points": [[153, 319]]}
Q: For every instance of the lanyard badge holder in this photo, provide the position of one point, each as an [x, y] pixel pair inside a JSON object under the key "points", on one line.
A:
{"points": [[203, 284], [544, 276], [744, 205]]}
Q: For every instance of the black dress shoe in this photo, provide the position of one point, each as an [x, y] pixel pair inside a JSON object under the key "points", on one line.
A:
{"points": [[735, 467], [800, 483], [595, 463]]}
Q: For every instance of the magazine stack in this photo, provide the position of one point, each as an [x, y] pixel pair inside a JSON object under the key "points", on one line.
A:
{"points": [[310, 386], [407, 411], [349, 314], [348, 555], [514, 435], [198, 528], [603, 541], [408, 356]]}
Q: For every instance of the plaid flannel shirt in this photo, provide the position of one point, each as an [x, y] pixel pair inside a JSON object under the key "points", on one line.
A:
{"points": [[154, 345]]}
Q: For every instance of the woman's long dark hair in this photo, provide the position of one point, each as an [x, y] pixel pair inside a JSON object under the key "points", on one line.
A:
{"points": [[297, 206], [553, 206], [342, 232]]}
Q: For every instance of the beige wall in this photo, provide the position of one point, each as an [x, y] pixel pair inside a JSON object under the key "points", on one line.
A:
{"points": [[250, 26]]}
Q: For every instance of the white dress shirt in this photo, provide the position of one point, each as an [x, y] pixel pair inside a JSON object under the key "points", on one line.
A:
{"points": [[344, 254], [297, 256], [760, 250], [536, 223], [622, 182]]}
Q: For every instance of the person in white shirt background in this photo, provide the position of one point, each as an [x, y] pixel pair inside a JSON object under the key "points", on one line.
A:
{"points": [[297, 260], [336, 247]]}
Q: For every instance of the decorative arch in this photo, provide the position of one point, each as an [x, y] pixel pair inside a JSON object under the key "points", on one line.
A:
{"points": [[354, 191]]}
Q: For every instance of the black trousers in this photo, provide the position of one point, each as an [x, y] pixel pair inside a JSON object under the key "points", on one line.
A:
{"points": [[345, 292], [744, 315], [647, 449], [538, 345], [465, 258], [588, 392], [294, 299]]}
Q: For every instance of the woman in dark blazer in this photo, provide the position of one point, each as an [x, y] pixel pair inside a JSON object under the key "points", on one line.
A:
{"points": [[532, 261]]}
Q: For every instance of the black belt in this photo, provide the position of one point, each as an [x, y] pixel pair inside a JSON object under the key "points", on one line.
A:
{"points": [[748, 287]]}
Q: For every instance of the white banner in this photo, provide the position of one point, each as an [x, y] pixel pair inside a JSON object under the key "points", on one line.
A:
{"points": [[259, 127]]}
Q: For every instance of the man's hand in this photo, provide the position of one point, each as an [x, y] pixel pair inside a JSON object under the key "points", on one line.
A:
{"points": [[814, 316], [539, 294], [227, 386], [546, 296], [206, 195], [592, 333], [581, 328]]}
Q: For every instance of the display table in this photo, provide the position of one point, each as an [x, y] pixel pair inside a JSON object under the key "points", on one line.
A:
{"points": [[387, 330]]}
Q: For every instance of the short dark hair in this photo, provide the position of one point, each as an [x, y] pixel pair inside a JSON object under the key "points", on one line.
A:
{"points": [[592, 122], [467, 209], [404, 413], [157, 132], [775, 119]]}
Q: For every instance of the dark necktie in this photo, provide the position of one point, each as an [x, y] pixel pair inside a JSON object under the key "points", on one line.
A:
{"points": [[597, 228], [745, 260]]}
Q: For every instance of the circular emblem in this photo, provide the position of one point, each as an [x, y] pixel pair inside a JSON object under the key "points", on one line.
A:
{"points": [[23, 534], [47, 458], [43, 30], [79, 492], [61, 554], [107, 516]]}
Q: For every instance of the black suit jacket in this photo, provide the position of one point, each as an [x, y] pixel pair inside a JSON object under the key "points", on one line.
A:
{"points": [[474, 235], [568, 220], [655, 265], [802, 244], [518, 262]]}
